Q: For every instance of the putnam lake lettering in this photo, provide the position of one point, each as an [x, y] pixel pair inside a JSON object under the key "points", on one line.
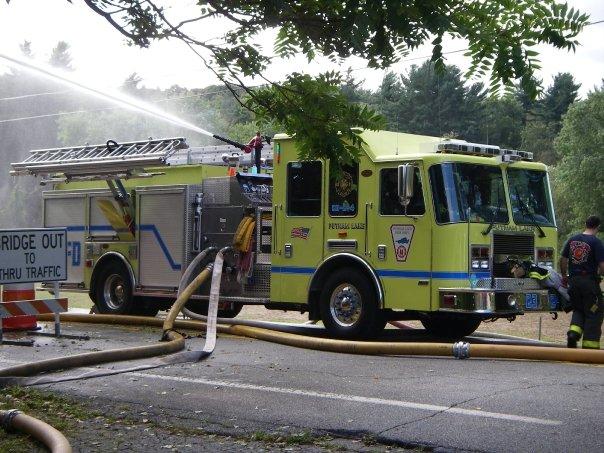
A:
{"points": [[346, 226]]}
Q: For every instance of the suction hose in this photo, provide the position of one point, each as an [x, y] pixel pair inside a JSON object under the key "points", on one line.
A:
{"points": [[49, 436]]}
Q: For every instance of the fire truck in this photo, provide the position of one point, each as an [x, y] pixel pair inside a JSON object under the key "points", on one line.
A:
{"points": [[420, 228]]}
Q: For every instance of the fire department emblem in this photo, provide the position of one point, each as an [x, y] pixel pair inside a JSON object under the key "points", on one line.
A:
{"points": [[344, 185], [579, 251], [401, 238]]}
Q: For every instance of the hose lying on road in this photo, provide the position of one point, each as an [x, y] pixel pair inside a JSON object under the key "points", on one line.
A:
{"points": [[264, 331], [49, 436], [174, 342], [460, 349]]}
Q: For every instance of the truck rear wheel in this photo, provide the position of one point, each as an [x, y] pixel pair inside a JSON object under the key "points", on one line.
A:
{"points": [[349, 306], [449, 325], [113, 290]]}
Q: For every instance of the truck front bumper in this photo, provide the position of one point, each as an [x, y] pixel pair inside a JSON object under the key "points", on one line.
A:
{"points": [[494, 302]]}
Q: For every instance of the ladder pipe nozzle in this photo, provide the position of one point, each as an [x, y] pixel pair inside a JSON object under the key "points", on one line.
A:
{"points": [[241, 146]]}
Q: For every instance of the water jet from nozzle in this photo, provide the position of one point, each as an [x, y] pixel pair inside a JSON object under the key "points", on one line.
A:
{"points": [[116, 98]]}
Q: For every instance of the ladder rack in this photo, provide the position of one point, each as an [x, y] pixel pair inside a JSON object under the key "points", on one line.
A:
{"points": [[99, 161]]}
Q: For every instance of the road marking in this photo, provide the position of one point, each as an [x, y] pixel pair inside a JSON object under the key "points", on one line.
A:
{"points": [[353, 398], [341, 397]]}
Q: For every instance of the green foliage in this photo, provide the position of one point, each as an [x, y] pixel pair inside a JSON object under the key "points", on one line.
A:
{"points": [[558, 98], [431, 102], [501, 123], [579, 185], [317, 113], [502, 36], [543, 116], [538, 138]]}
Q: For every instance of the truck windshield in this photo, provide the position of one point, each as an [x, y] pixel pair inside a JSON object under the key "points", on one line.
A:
{"points": [[461, 189], [530, 197]]}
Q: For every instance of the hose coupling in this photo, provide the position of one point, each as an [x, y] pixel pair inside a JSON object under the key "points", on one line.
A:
{"points": [[6, 419], [461, 350]]}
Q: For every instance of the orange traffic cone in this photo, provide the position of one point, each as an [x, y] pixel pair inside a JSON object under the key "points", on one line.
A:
{"points": [[19, 291]]}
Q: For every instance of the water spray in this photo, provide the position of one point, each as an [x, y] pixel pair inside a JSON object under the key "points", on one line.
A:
{"points": [[131, 103], [116, 98]]}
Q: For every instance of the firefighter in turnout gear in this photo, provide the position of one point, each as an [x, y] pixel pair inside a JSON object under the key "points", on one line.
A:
{"points": [[583, 260]]}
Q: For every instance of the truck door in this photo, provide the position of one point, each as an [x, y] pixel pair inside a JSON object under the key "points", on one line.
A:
{"points": [[400, 243], [298, 225]]}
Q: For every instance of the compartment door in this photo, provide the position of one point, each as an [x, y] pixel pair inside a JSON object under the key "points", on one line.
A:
{"points": [[161, 236], [69, 211]]}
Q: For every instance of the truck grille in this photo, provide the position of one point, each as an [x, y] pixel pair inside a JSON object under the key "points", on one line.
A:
{"points": [[521, 246]]}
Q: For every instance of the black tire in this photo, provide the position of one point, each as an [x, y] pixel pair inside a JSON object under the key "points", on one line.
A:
{"points": [[449, 325], [348, 305], [201, 308], [113, 289]]}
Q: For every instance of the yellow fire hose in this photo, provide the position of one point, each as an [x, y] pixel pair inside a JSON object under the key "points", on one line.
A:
{"points": [[175, 342], [49, 436], [461, 350]]}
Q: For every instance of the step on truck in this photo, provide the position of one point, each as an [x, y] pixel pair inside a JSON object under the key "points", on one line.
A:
{"points": [[420, 228]]}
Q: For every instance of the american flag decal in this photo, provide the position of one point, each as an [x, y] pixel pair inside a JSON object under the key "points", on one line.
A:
{"points": [[300, 232]]}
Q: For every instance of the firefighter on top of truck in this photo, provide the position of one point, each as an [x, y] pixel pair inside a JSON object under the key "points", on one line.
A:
{"points": [[582, 258]]}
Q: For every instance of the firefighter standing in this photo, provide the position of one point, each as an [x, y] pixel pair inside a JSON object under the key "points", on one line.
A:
{"points": [[582, 258]]}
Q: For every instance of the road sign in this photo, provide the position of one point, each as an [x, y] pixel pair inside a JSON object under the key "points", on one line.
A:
{"points": [[33, 255]]}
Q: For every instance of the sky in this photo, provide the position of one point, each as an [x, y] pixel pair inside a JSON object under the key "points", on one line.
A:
{"points": [[102, 56]]}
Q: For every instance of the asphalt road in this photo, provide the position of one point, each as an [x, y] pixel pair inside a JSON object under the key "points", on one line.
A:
{"points": [[437, 403]]}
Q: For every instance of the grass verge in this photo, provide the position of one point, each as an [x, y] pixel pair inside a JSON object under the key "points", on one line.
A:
{"points": [[60, 412]]}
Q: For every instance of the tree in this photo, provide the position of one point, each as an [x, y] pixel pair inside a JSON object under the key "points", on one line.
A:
{"points": [[132, 82], [538, 138], [60, 56], [501, 123], [543, 119], [388, 99], [502, 35], [435, 102], [558, 98], [578, 181]]}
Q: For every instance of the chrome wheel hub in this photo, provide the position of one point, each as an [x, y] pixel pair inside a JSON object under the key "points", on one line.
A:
{"points": [[114, 291], [346, 305]]}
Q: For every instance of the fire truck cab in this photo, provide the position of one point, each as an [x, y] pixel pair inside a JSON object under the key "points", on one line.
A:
{"points": [[420, 228]]}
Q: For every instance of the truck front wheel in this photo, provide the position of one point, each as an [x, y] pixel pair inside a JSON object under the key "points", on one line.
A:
{"points": [[449, 325], [349, 307], [113, 290]]}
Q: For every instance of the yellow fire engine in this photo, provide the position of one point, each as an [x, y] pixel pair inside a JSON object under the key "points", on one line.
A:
{"points": [[420, 228]]}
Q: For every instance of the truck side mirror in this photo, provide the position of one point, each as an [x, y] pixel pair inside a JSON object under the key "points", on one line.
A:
{"points": [[406, 175]]}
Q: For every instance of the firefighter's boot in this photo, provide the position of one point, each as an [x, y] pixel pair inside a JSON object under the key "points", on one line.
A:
{"points": [[572, 338]]}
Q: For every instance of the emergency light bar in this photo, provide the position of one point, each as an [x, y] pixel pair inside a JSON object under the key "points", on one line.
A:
{"points": [[475, 149]]}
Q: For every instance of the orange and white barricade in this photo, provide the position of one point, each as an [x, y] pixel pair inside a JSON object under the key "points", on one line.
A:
{"points": [[19, 291], [21, 308]]}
